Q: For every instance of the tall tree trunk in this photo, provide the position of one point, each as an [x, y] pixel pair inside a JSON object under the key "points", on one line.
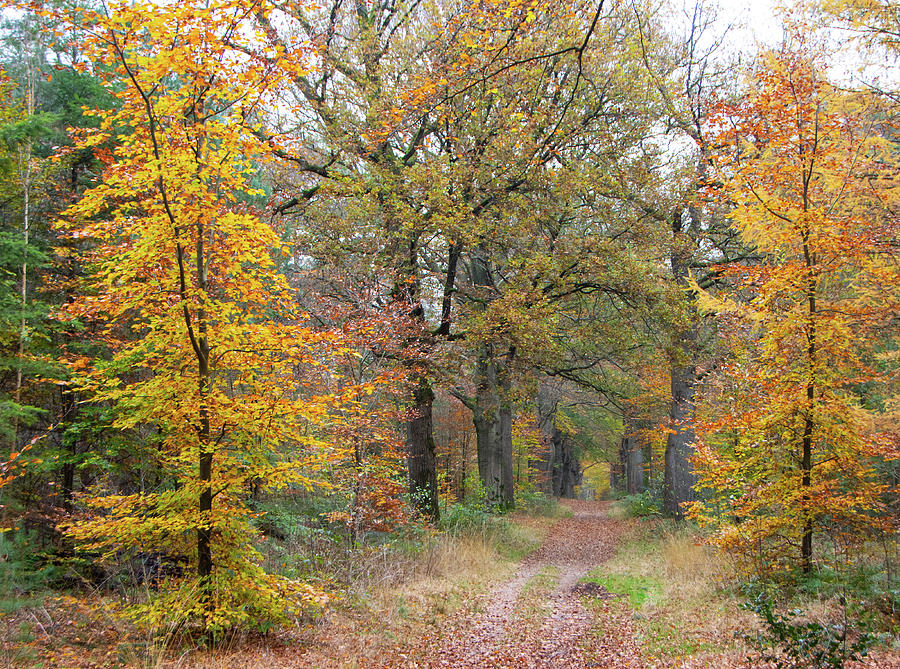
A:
{"points": [[547, 400], [806, 550], [492, 416], [562, 466], [633, 459], [204, 532], [422, 464], [198, 336], [567, 472], [616, 475], [678, 478], [491, 409]]}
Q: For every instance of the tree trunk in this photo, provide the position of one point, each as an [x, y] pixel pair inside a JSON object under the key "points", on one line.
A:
{"points": [[561, 464], [204, 532], [491, 410], [492, 416], [421, 461], [806, 550], [633, 452], [546, 419], [198, 337], [567, 472], [422, 464], [679, 479], [616, 476]]}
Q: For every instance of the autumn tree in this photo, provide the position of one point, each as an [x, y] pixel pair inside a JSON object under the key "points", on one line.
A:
{"points": [[791, 452], [701, 238], [207, 346], [872, 30], [343, 189], [547, 193]]}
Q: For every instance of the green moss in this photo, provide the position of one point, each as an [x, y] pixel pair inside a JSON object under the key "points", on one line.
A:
{"points": [[637, 590]]}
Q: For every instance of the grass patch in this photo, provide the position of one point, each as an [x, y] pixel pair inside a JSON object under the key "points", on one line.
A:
{"points": [[516, 541], [538, 504], [678, 587], [391, 589], [638, 590], [543, 583], [402, 588], [11, 604]]}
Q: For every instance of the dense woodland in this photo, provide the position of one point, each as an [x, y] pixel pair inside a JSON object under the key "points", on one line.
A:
{"points": [[337, 270]]}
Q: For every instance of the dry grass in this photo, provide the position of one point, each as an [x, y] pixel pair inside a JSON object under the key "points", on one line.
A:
{"points": [[433, 582], [676, 586], [386, 596], [395, 599]]}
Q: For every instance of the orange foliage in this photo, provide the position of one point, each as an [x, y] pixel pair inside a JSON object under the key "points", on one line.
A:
{"points": [[208, 346], [791, 451]]}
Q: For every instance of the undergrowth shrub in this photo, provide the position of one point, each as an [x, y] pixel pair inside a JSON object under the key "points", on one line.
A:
{"points": [[793, 642], [468, 517], [27, 565], [538, 504], [643, 505]]}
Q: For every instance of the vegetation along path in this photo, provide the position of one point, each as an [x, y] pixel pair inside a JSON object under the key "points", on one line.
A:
{"points": [[538, 618]]}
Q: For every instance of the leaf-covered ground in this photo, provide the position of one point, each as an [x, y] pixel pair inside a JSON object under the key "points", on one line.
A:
{"points": [[547, 614], [558, 631], [573, 624]]}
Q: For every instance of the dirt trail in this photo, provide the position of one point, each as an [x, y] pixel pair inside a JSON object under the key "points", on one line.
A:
{"points": [[547, 627], [559, 634]]}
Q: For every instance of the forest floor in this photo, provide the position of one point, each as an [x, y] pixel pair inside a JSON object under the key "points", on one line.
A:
{"points": [[539, 617], [598, 590]]}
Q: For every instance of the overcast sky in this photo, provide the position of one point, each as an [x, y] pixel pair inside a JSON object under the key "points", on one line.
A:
{"points": [[758, 23], [754, 21]]}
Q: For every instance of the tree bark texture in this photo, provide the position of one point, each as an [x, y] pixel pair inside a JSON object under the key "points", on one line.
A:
{"points": [[679, 479], [547, 400], [491, 410], [422, 464], [567, 472], [560, 464], [492, 416], [634, 456]]}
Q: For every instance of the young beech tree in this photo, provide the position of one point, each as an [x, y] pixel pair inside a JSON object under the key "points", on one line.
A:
{"points": [[792, 454], [207, 345]]}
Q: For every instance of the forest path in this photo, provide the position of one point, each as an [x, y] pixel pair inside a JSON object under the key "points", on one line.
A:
{"points": [[527, 624]]}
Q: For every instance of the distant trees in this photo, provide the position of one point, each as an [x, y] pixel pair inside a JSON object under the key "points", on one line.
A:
{"points": [[41, 175], [489, 190]]}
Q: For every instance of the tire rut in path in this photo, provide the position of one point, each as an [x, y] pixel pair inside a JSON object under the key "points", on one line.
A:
{"points": [[499, 637]]}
